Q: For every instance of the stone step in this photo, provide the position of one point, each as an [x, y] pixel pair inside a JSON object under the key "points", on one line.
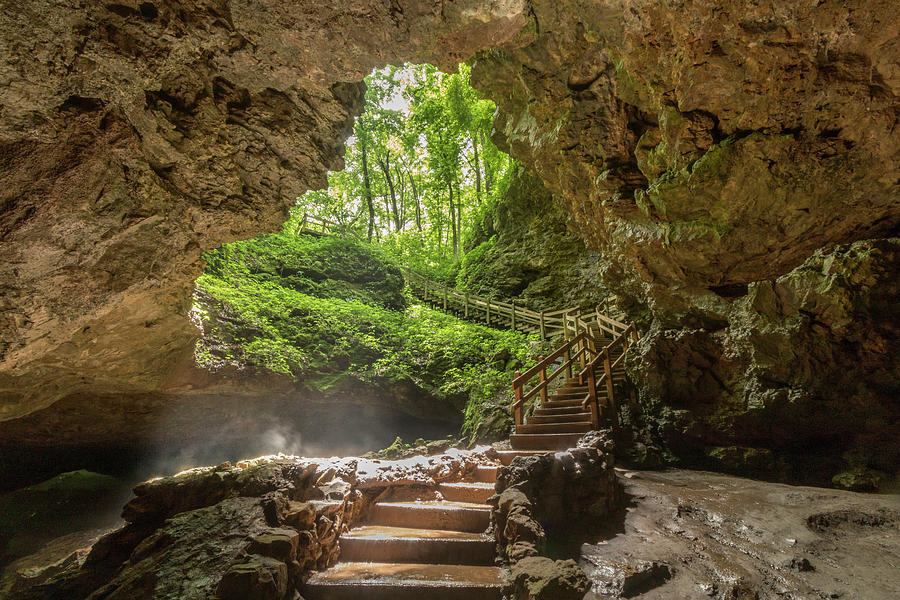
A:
{"points": [[544, 441], [433, 514], [477, 493], [507, 456], [486, 473], [577, 427], [389, 581], [573, 417], [377, 543], [558, 410]]}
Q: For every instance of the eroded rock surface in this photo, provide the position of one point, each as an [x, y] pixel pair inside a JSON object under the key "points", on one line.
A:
{"points": [[706, 150], [136, 135], [801, 383], [523, 251], [545, 506], [690, 534], [250, 530]]}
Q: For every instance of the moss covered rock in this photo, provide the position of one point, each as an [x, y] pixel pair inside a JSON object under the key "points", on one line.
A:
{"points": [[522, 250], [798, 380]]}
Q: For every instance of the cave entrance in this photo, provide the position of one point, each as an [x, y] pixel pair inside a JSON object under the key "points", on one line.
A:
{"points": [[317, 315], [421, 169]]}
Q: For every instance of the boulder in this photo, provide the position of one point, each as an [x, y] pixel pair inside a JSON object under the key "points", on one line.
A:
{"points": [[257, 577], [541, 578]]}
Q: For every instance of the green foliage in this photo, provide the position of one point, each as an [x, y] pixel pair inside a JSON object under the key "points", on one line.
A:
{"points": [[421, 174], [473, 265], [421, 168], [330, 312], [325, 267]]}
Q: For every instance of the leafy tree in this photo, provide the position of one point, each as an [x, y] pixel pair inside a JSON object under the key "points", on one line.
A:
{"points": [[420, 167]]}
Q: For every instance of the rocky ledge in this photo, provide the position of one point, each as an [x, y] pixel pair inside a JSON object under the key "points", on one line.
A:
{"points": [[250, 530], [546, 506], [736, 166]]}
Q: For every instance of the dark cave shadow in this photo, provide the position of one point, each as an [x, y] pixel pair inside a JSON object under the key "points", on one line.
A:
{"points": [[566, 541]]}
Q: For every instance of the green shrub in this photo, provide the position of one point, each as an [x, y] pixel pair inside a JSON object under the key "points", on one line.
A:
{"points": [[328, 311]]}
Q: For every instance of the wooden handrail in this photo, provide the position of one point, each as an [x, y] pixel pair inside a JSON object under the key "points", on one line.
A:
{"points": [[581, 347], [585, 347], [313, 224], [549, 360]]}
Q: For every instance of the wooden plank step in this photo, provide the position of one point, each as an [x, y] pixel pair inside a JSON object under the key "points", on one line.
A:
{"points": [[559, 418], [544, 441], [577, 427], [377, 543], [467, 492], [568, 396], [581, 389], [558, 410], [564, 403], [412, 581]]}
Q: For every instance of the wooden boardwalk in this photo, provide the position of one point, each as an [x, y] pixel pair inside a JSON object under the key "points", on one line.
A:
{"points": [[508, 315], [586, 371]]}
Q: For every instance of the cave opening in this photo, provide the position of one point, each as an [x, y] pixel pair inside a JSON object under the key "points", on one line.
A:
{"points": [[421, 179], [681, 143]]}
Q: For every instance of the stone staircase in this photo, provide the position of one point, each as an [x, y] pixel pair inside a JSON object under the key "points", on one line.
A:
{"points": [[420, 549], [425, 549]]}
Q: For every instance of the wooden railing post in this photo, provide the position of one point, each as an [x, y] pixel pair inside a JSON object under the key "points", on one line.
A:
{"points": [[610, 394], [543, 327], [488, 316], [517, 407], [513, 304], [467, 305], [592, 398], [568, 357], [543, 379]]}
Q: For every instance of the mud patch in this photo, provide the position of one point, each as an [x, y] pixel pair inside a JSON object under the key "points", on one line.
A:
{"points": [[850, 521]]}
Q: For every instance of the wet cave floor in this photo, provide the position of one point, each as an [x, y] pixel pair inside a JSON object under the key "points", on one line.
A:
{"points": [[693, 534], [683, 534]]}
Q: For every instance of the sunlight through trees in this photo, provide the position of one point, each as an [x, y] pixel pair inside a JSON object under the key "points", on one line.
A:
{"points": [[420, 168]]}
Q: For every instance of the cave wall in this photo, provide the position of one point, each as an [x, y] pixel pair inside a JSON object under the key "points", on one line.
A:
{"points": [[523, 250], [135, 135], [720, 157], [706, 150]]}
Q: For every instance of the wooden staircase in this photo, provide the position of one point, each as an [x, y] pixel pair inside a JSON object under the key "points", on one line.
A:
{"points": [[583, 400], [421, 548]]}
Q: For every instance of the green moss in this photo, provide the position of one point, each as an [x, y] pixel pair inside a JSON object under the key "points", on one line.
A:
{"points": [[525, 252], [475, 263], [857, 480], [350, 323]]}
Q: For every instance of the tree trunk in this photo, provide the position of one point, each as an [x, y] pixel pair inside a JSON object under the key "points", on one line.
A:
{"points": [[401, 189], [415, 193], [453, 218], [369, 204], [385, 165], [387, 210], [477, 169], [488, 171]]}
